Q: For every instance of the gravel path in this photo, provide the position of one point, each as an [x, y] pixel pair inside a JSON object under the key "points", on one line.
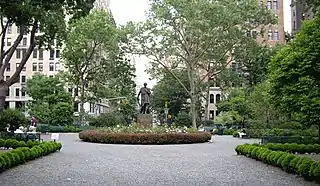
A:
{"points": [[85, 164]]}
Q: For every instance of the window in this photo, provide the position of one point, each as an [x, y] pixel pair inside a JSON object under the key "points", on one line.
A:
{"points": [[24, 52], [23, 79], [8, 67], [41, 54], [35, 53], [8, 92], [91, 108], [17, 92], [51, 55], [8, 41], [7, 78], [248, 33], [24, 41], [275, 35], [270, 35], [275, 5], [218, 98], [293, 13], [18, 53], [76, 91], [211, 98], [23, 93], [57, 67], [9, 29], [254, 34], [57, 53], [211, 112], [40, 67], [269, 4], [34, 67], [76, 107], [51, 66], [70, 90]]}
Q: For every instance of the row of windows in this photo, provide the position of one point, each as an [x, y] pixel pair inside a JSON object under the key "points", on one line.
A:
{"points": [[271, 4], [38, 67], [9, 29], [272, 35], [218, 98], [18, 92]]}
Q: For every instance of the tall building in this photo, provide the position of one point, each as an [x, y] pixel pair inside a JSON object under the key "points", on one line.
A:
{"points": [[43, 62], [272, 35], [299, 12]]}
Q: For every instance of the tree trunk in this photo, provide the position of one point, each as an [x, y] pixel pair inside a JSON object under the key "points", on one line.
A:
{"points": [[193, 97], [82, 99], [206, 112], [4, 88]]}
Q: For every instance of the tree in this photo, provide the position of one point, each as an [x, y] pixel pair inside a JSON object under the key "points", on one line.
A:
{"points": [[89, 56], [50, 102], [30, 16], [295, 76], [252, 60], [169, 90], [193, 34], [13, 119]]}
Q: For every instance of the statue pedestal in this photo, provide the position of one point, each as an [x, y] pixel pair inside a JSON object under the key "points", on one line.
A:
{"points": [[144, 120]]}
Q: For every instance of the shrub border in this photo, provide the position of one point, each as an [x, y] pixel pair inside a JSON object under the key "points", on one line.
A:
{"points": [[144, 138], [303, 166], [21, 155], [13, 143]]}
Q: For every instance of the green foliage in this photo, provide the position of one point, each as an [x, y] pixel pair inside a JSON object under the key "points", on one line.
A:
{"points": [[43, 128], [51, 103], [290, 163], [13, 119], [170, 90], [107, 120], [294, 76], [21, 155], [183, 119]]}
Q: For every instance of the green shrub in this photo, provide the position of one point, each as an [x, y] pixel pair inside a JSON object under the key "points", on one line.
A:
{"points": [[294, 148], [280, 159], [12, 118], [107, 120], [293, 164], [285, 164], [183, 119], [235, 134], [304, 168]]}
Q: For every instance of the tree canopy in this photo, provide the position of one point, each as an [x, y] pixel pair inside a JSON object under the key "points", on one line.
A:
{"points": [[295, 75]]}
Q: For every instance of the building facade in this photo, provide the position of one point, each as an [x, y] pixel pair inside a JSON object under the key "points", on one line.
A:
{"points": [[41, 61], [299, 12], [272, 35]]}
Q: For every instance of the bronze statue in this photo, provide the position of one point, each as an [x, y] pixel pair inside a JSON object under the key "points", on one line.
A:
{"points": [[145, 99]]}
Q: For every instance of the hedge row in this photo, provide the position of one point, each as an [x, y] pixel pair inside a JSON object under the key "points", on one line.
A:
{"points": [[258, 133], [23, 154], [144, 138], [290, 163], [294, 148], [291, 139], [44, 128], [13, 143]]}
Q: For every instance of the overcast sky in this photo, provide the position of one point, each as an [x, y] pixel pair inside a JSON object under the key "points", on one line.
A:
{"points": [[134, 10]]}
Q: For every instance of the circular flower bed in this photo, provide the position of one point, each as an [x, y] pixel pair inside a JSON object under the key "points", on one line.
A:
{"points": [[147, 138]]}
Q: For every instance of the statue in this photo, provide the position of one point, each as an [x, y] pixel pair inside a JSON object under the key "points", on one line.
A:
{"points": [[145, 99]]}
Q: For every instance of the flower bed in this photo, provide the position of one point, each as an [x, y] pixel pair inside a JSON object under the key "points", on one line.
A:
{"points": [[21, 155], [146, 138], [288, 162]]}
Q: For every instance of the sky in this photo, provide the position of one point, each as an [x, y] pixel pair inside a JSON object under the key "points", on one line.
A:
{"points": [[133, 10]]}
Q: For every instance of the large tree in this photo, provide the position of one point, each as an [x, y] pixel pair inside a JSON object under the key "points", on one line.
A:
{"points": [[50, 103], [48, 17], [192, 34], [89, 56], [295, 75]]}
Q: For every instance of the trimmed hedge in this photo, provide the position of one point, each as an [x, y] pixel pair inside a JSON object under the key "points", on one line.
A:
{"points": [[294, 148], [23, 154], [303, 166], [96, 136], [13, 143], [258, 133], [291, 139], [43, 128]]}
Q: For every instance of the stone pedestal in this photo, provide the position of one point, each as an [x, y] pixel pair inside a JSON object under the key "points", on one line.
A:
{"points": [[144, 120]]}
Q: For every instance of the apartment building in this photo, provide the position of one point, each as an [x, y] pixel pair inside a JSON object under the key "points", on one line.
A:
{"points": [[272, 35], [299, 12], [41, 61]]}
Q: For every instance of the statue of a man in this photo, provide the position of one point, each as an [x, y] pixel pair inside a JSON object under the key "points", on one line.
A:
{"points": [[145, 93]]}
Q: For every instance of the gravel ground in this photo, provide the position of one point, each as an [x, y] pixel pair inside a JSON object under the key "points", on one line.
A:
{"points": [[83, 164]]}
